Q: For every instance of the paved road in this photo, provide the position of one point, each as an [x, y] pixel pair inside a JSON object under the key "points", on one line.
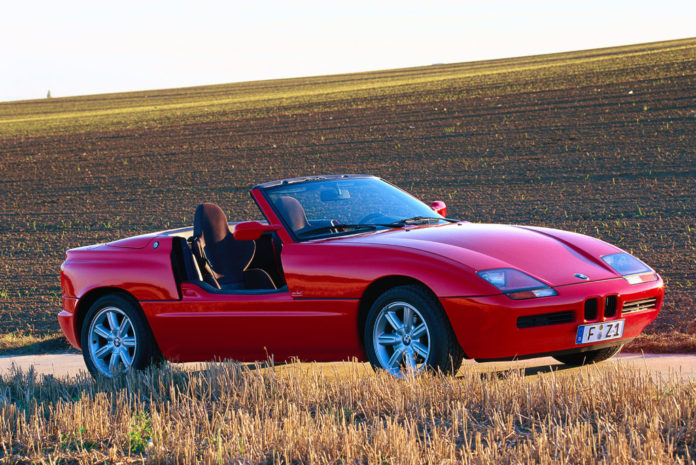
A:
{"points": [[664, 365]]}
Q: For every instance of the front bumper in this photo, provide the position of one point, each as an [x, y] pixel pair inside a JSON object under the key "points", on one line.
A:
{"points": [[487, 327]]}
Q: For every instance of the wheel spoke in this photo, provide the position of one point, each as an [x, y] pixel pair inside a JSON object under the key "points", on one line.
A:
{"points": [[113, 322], [418, 331], [128, 341], [408, 319], [420, 349], [125, 326], [103, 332], [396, 356], [103, 351], [125, 356], [394, 321], [388, 339], [113, 362]]}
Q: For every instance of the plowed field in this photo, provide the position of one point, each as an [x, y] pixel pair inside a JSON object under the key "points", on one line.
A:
{"points": [[601, 142]]}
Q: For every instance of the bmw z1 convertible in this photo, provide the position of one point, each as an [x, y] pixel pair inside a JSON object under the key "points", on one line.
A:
{"points": [[351, 266]]}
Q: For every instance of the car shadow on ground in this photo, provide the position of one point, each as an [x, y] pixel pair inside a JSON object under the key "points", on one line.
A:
{"points": [[505, 373]]}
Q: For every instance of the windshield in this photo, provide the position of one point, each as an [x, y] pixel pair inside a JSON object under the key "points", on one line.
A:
{"points": [[332, 207]]}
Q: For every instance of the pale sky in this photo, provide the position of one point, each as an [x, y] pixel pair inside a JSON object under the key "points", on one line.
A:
{"points": [[75, 47]]}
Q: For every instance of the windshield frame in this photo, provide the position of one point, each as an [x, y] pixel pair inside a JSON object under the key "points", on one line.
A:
{"points": [[266, 188]]}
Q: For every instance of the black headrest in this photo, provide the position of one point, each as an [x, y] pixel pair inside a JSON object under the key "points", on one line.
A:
{"points": [[210, 222], [293, 212]]}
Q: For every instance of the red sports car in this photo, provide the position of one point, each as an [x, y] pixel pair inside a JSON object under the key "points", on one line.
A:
{"points": [[352, 266]]}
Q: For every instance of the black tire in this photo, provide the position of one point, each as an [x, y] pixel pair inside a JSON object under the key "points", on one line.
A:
{"points": [[591, 356], [142, 354], [444, 353]]}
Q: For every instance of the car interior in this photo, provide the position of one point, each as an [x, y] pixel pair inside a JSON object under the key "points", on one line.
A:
{"points": [[214, 259]]}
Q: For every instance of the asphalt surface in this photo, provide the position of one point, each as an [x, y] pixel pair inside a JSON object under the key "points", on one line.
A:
{"points": [[663, 365]]}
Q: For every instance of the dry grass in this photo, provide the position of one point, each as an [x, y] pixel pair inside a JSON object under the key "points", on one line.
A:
{"points": [[230, 413]]}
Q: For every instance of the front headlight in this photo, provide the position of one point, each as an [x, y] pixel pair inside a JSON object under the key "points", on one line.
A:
{"points": [[628, 266], [515, 284]]}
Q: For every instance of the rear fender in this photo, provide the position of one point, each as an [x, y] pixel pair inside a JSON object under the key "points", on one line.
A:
{"points": [[145, 273]]}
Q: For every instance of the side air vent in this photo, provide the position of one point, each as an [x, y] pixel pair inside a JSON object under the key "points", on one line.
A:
{"points": [[546, 319], [591, 306], [639, 305], [610, 306]]}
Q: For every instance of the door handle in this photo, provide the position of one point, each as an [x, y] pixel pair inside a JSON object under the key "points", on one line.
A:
{"points": [[190, 293]]}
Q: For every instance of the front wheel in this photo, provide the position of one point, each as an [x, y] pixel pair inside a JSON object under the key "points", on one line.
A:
{"points": [[591, 356], [116, 338], [406, 331]]}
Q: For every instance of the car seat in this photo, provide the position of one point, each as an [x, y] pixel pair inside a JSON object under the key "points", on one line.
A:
{"points": [[223, 257], [291, 209]]}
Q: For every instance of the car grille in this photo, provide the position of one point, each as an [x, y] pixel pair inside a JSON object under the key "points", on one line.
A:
{"points": [[591, 306], [546, 319], [610, 306], [639, 305]]}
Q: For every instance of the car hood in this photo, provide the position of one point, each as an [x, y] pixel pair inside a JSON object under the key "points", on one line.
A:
{"points": [[553, 256]]}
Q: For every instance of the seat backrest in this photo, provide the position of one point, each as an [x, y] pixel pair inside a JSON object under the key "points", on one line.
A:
{"points": [[228, 257], [291, 209]]}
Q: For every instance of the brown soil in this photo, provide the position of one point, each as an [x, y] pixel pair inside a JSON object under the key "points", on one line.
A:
{"points": [[600, 142]]}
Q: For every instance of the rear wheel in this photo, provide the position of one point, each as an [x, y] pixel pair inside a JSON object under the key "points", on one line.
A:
{"points": [[591, 356], [406, 331], [116, 338]]}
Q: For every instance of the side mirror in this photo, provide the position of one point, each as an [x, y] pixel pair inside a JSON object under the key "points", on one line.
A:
{"points": [[252, 230], [439, 207]]}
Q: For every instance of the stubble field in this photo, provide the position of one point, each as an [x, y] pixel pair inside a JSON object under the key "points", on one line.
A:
{"points": [[350, 415], [600, 142]]}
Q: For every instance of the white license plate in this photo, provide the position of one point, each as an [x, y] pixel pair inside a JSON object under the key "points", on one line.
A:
{"points": [[600, 332]]}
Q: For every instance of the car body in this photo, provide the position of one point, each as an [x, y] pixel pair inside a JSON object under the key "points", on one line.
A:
{"points": [[452, 279]]}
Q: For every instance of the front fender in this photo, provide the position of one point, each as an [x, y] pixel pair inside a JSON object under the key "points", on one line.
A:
{"points": [[344, 271]]}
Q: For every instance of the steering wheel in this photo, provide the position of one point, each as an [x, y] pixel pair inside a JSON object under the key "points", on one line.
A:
{"points": [[369, 217]]}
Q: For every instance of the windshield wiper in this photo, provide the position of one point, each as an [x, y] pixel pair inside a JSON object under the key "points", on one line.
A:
{"points": [[418, 220], [342, 228], [338, 227]]}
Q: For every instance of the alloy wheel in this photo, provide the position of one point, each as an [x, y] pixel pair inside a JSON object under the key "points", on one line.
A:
{"points": [[112, 341], [401, 339]]}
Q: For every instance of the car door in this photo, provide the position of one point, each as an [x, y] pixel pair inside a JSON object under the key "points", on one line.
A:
{"points": [[255, 325]]}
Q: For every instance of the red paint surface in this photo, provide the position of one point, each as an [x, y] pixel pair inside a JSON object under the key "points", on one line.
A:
{"points": [[67, 321], [146, 272], [203, 326]]}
